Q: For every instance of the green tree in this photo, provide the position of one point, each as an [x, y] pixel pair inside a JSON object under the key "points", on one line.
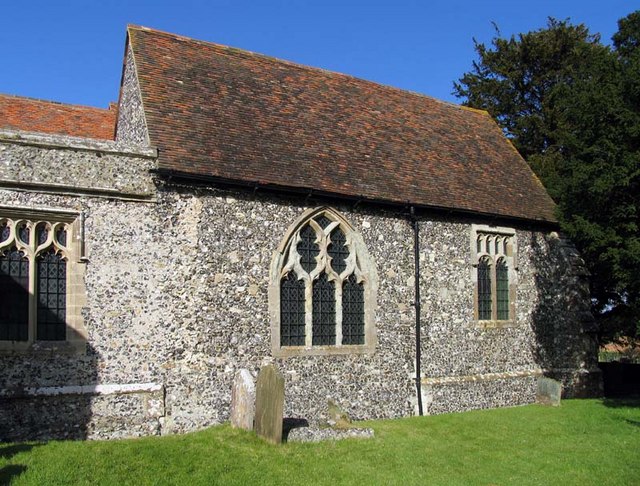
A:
{"points": [[571, 106]]}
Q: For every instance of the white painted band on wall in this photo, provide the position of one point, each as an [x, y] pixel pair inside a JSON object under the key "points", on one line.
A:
{"points": [[443, 380], [112, 389]]}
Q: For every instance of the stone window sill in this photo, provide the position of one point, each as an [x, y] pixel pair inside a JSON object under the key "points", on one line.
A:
{"points": [[290, 351], [42, 348], [492, 324]]}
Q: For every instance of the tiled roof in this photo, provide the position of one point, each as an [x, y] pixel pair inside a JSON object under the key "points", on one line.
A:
{"points": [[220, 112], [32, 115]]}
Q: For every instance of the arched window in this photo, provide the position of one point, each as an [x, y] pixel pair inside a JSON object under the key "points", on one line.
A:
{"points": [[502, 290], [484, 289], [14, 288], [493, 254], [39, 265], [322, 288]]}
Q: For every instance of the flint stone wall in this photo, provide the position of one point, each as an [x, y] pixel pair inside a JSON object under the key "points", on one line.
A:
{"points": [[176, 289], [71, 164], [81, 414], [132, 126]]}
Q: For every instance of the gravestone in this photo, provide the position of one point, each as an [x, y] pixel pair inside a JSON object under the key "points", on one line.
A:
{"points": [[243, 400], [338, 418], [269, 404], [549, 391]]}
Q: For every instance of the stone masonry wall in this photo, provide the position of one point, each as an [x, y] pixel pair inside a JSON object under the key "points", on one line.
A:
{"points": [[132, 126], [60, 163], [177, 296]]}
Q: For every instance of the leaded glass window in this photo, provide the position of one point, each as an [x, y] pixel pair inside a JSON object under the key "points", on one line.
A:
{"points": [[52, 296], [307, 248], [323, 221], [484, 290], [324, 311], [34, 256], [5, 231], [502, 290], [292, 312], [14, 292], [493, 251], [353, 311], [338, 250], [322, 288]]}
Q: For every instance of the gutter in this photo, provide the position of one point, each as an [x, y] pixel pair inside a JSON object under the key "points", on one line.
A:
{"points": [[173, 175]]}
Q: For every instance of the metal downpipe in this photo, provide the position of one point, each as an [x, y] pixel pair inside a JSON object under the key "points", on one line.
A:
{"points": [[416, 304]]}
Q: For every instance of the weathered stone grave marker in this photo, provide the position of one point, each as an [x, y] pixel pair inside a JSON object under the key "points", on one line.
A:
{"points": [[243, 400], [549, 391], [269, 404]]}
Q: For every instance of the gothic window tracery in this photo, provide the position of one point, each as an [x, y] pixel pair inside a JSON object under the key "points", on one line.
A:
{"points": [[494, 252], [34, 258], [324, 292]]}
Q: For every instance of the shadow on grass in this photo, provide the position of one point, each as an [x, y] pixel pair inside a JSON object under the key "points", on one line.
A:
{"points": [[8, 473], [630, 402], [12, 471]]}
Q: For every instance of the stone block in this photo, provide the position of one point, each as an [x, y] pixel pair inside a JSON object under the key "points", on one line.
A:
{"points": [[243, 400], [549, 391], [269, 404]]}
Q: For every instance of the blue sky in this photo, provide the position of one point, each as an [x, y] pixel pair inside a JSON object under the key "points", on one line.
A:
{"points": [[71, 51]]}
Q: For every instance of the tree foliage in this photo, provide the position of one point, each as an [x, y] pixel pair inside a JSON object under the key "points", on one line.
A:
{"points": [[571, 106]]}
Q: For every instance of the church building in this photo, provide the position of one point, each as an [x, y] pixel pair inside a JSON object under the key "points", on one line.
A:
{"points": [[387, 251]]}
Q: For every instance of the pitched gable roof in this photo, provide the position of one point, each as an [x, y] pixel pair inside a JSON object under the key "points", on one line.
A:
{"points": [[216, 111], [32, 115]]}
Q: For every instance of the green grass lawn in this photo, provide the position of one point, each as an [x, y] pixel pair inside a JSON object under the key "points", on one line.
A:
{"points": [[581, 442]]}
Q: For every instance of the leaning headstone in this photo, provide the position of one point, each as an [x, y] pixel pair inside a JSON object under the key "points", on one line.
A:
{"points": [[243, 400], [269, 404], [549, 391]]}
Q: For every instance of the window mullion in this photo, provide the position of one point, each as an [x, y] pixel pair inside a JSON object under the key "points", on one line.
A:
{"points": [[33, 298], [338, 312], [308, 312], [494, 290]]}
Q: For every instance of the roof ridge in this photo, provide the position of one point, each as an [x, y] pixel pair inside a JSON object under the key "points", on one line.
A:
{"points": [[304, 67], [53, 102]]}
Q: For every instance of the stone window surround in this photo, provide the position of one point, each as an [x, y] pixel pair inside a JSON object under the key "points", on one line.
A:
{"points": [[512, 263], [366, 270], [76, 334]]}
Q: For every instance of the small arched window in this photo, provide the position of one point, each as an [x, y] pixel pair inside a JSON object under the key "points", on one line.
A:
{"points": [[494, 256], [502, 289], [322, 288], [484, 289]]}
